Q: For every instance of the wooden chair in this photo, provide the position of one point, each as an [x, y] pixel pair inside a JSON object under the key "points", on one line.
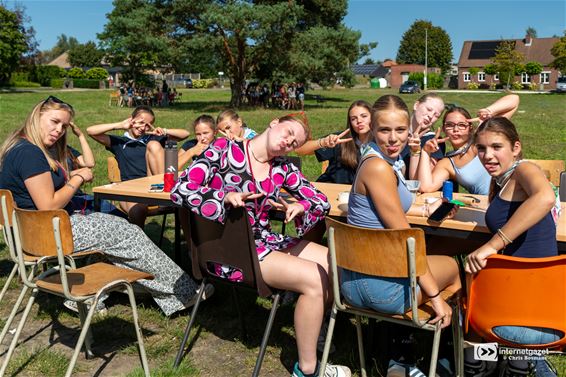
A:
{"points": [[552, 169], [388, 253], [48, 234], [115, 177], [114, 98], [229, 244], [512, 291]]}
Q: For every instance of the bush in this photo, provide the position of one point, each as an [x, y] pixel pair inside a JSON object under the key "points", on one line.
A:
{"points": [[434, 80], [97, 73], [516, 85], [492, 86], [19, 77], [204, 83], [24, 84], [44, 73], [76, 73], [472, 86], [57, 83], [86, 83], [533, 86]]}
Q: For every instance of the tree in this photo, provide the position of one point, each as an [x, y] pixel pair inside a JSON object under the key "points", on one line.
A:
{"points": [[85, 55], [559, 52], [369, 61], [533, 68], [508, 61], [97, 73], [531, 32], [15, 41], [62, 45], [412, 46]]}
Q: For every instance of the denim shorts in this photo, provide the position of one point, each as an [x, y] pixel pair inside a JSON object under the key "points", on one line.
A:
{"points": [[528, 335], [386, 295]]}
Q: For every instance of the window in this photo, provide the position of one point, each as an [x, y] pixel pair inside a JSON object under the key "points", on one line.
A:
{"points": [[496, 77], [525, 79], [545, 77], [481, 76], [466, 76]]}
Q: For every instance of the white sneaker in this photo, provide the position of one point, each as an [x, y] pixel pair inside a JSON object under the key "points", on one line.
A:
{"points": [[337, 371]]}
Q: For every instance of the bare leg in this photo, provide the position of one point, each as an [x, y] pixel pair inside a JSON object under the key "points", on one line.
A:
{"points": [[155, 158], [445, 271], [137, 212], [298, 271]]}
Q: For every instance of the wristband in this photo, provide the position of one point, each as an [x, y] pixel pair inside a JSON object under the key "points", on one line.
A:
{"points": [[436, 295], [503, 236], [418, 153], [70, 185], [80, 176]]}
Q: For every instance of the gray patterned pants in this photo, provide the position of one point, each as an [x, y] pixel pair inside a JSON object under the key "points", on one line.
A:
{"points": [[126, 245]]}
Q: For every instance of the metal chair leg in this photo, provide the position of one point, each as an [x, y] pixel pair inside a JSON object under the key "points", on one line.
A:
{"points": [[263, 347], [457, 339], [14, 342], [139, 334], [434, 355], [84, 331], [8, 281], [83, 312], [13, 313], [328, 340], [189, 325], [361, 345]]}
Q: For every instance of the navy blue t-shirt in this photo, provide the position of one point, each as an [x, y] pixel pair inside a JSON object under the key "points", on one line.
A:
{"points": [[189, 144], [130, 154], [336, 172], [23, 161], [438, 155]]}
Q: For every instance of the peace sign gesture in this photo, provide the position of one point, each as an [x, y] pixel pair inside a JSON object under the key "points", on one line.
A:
{"points": [[431, 145], [292, 210], [230, 136], [237, 199], [332, 140]]}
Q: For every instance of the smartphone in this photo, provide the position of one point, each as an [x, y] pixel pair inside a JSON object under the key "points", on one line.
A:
{"points": [[441, 212]]}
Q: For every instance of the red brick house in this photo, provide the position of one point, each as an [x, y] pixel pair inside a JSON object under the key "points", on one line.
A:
{"points": [[478, 54], [400, 73]]}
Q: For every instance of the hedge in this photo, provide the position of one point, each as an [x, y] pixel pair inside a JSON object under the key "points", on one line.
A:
{"points": [[57, 83], [434, 80], [86, 83], [204, 83]]}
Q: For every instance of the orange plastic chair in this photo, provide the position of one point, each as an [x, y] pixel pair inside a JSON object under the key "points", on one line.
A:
{"points": [[512, 291]]}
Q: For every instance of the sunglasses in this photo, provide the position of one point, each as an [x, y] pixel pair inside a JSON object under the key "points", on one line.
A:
{"points": [[57, 100]]}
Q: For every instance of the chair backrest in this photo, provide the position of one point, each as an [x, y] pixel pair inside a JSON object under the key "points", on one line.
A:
{"points": [[231, 244], [512, 291], [36, 231], [552, 169], [324, 166], [7, 207], [113, 170], [380, 252]]}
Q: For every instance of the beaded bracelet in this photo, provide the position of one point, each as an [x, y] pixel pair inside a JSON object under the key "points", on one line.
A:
{"points": [[506, 240]]}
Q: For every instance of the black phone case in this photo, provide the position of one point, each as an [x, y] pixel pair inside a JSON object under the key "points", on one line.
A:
{"points": [[441, 212]]}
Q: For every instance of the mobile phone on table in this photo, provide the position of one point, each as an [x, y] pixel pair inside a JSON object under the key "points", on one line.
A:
{"points": [[156, 187], [441, 212]]}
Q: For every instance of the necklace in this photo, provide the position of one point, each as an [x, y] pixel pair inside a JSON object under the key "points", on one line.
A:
{"points": [[253, 155], [504, 178]]}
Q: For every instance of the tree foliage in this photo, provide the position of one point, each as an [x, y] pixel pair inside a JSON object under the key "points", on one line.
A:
{"points": [[531, 32], [559, 52], [63, 44], [16, 41], [533, 68], [412, 46], [85, 55], [509, 62], [97, 73], [246, 39]]}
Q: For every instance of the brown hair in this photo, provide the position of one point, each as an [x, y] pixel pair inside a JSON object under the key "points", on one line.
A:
{"points": [[206, 119], [227, 114], [505, 127], [456, 109], [142, 109], [30, 130], [349, 151], [387, 103]]}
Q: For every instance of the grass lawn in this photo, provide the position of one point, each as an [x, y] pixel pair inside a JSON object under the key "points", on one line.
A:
{"points": [[218, 350]]}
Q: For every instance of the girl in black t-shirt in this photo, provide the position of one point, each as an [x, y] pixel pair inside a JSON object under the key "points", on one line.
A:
{"points": [[205, 133]]}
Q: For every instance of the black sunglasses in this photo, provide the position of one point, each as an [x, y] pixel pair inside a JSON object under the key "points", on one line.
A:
{"points": [[57, 100]]}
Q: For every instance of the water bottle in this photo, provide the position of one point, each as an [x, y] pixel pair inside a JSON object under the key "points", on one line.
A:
{"points": [[171, 158], [447, 190]]}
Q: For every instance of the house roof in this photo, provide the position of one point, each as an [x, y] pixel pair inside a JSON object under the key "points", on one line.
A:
{"points": [[479, 53], [61, 61], [373, 70]]}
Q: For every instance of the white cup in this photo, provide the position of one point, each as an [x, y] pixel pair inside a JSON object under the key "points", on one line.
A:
{"points": [[344, 196]]}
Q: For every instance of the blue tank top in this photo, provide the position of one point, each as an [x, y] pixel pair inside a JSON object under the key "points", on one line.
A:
{"points": [[473, 176], [537, 242], [362, 211]]}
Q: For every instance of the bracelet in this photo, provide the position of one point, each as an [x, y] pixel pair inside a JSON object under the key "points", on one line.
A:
{"points": [[506, 240], [413, 154], [320, 143], [70, 185], [436, 295], [164, 131], [80, 176]]}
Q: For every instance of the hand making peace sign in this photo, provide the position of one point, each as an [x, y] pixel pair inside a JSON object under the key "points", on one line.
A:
{"points": [[238, 199], [332, 140], [230, 136], [292, 210], [431, 145]]}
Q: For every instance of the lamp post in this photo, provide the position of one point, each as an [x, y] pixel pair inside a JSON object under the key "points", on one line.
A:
{"points": [[425, 59]]}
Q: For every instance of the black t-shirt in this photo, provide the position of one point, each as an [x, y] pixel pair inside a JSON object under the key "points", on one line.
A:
{"points": [[23, 161], [130, 154], [189, 144], [336, 172]]}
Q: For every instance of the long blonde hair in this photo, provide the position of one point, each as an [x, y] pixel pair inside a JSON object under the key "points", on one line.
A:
{"points": [[30, 130]]}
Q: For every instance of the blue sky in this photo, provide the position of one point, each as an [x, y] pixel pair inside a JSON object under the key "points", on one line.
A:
{"points": [[382, 21]]}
